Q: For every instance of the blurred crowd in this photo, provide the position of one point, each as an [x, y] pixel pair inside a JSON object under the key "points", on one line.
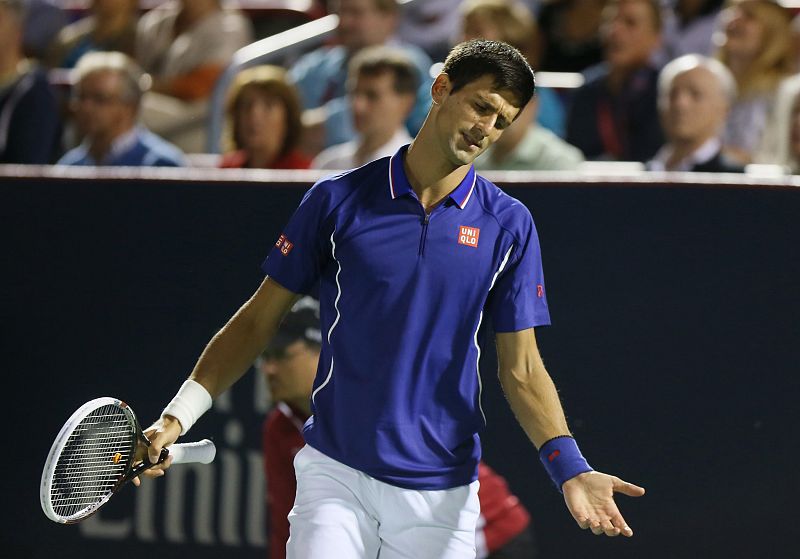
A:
{"points": [[675, 85]]}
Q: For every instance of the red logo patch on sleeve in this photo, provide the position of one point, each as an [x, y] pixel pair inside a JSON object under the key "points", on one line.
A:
{"points": [[468, 236], [539, 291], [284, 245]]}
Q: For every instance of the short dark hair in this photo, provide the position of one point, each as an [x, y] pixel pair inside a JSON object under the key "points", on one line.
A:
{"points": [[471, 60], [374, 61]]}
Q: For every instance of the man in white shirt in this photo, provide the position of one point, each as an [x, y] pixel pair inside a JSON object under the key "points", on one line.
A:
{"points": [[695, 93], [382, 85]]}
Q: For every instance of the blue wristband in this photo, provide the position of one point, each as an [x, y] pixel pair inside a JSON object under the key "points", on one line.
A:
{"points": [[562, 459]]}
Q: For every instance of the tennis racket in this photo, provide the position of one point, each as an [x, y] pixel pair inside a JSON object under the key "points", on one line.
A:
{"points": [[94, 455]]}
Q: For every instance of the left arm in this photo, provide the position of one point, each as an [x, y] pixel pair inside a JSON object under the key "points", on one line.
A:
{"points": [[534, 400]]}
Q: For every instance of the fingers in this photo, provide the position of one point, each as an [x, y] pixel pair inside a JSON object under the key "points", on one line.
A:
{"points": [[610, 527], [629, 489]]}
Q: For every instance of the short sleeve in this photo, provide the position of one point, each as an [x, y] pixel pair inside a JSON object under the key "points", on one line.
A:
{"points": [[518, 300], [298, 255]]}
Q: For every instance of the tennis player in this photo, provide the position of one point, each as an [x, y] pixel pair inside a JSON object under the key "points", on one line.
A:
{"points": [[409, 253]]}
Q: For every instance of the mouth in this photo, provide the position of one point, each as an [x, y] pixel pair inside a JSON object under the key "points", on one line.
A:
{"points": [[471, 143]]}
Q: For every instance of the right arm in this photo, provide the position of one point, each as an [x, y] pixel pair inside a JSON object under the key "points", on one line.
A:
{"points": [[228, 355]]}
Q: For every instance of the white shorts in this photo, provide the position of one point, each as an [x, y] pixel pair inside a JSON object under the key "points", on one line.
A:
{"points": [[343, 513]]}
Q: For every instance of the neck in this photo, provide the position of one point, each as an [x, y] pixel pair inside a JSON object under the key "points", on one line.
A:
{"points": [[100, 146], [302, 405], [262, 159], [194, 11], [431, 175], [369, 144], [617, 78], [112, 24], [681, 149]]}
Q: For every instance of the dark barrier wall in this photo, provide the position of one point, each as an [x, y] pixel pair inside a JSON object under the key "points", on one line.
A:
{"points": [[674, 345]]}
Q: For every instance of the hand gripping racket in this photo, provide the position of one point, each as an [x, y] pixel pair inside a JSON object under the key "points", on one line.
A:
{"points": [[94, 455]]}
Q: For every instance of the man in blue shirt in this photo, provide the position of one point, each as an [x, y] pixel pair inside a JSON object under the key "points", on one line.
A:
{"points": [[108, 88], [409, 253]]}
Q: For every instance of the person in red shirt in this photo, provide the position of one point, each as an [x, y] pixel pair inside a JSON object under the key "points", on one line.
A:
{"points": [[264, 126], [289, 365]]}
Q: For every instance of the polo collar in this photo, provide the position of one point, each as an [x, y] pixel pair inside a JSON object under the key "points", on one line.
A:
{"points": [[399, 185]]}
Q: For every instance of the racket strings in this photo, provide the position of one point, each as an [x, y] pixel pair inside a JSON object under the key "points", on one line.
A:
{"points": [[96, 456]]}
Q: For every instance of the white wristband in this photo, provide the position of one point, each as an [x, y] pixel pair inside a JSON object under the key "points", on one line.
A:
{"points": [[191, 401]]}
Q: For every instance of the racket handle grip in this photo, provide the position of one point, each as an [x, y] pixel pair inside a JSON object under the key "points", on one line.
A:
{"points": [[201, 451]]}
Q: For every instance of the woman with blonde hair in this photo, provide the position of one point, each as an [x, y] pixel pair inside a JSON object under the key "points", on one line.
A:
{"points": [[263, 128], [755, 45]]}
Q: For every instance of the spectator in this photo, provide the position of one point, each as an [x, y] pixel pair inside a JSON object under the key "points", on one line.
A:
{"points": [[689, 27], [383, 86], [108, 89], [511, 21], [320, 75], [525, 146], [30, 126], [431, 25], [185, 45], [613, 116], [781, 142], [290, 364], [110, 26], [694, 96], [756, 47], [264, 127], [570, 39]]}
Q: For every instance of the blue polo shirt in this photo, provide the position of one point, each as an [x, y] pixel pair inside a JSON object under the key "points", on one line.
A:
{"points": [[402, 295]]}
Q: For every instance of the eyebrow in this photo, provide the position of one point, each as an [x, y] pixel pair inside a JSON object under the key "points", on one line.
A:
{"points": [[493, 105]]}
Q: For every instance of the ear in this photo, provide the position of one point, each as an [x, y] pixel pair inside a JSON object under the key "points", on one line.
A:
{"points": [[441, 88]]}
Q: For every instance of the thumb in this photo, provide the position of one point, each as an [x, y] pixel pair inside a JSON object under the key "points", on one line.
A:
{"points": [[154, 450], [629, 489]]}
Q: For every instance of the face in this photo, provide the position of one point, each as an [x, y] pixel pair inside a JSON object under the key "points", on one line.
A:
{"points": [[377, 108], [290, 372], [794, 131], [744, 32], [10, 30], [105, 9], [696, 108], [471, 119], [101, 111], [362, 24], [261, 120], [629, 34]]}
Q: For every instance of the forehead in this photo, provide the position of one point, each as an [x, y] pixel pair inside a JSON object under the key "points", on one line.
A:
{"points": [[638, 10], [382, 79], [484, 89], [103, 79], [699, 78]]}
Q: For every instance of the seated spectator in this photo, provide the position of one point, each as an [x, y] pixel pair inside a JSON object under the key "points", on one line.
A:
{"points": [[570, 38], [525, 146], [613, 116], [108, 89], [756, 47], [320, 75], [383, 84], [695, 93], [264, 125], [30, 127], [689, 28], [110, 26], [185, 45], [511, 21], [781, 142]]}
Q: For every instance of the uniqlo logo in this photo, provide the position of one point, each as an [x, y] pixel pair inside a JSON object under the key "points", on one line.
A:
{"points": [[468, 236], [539, 290], [284, 245]]}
